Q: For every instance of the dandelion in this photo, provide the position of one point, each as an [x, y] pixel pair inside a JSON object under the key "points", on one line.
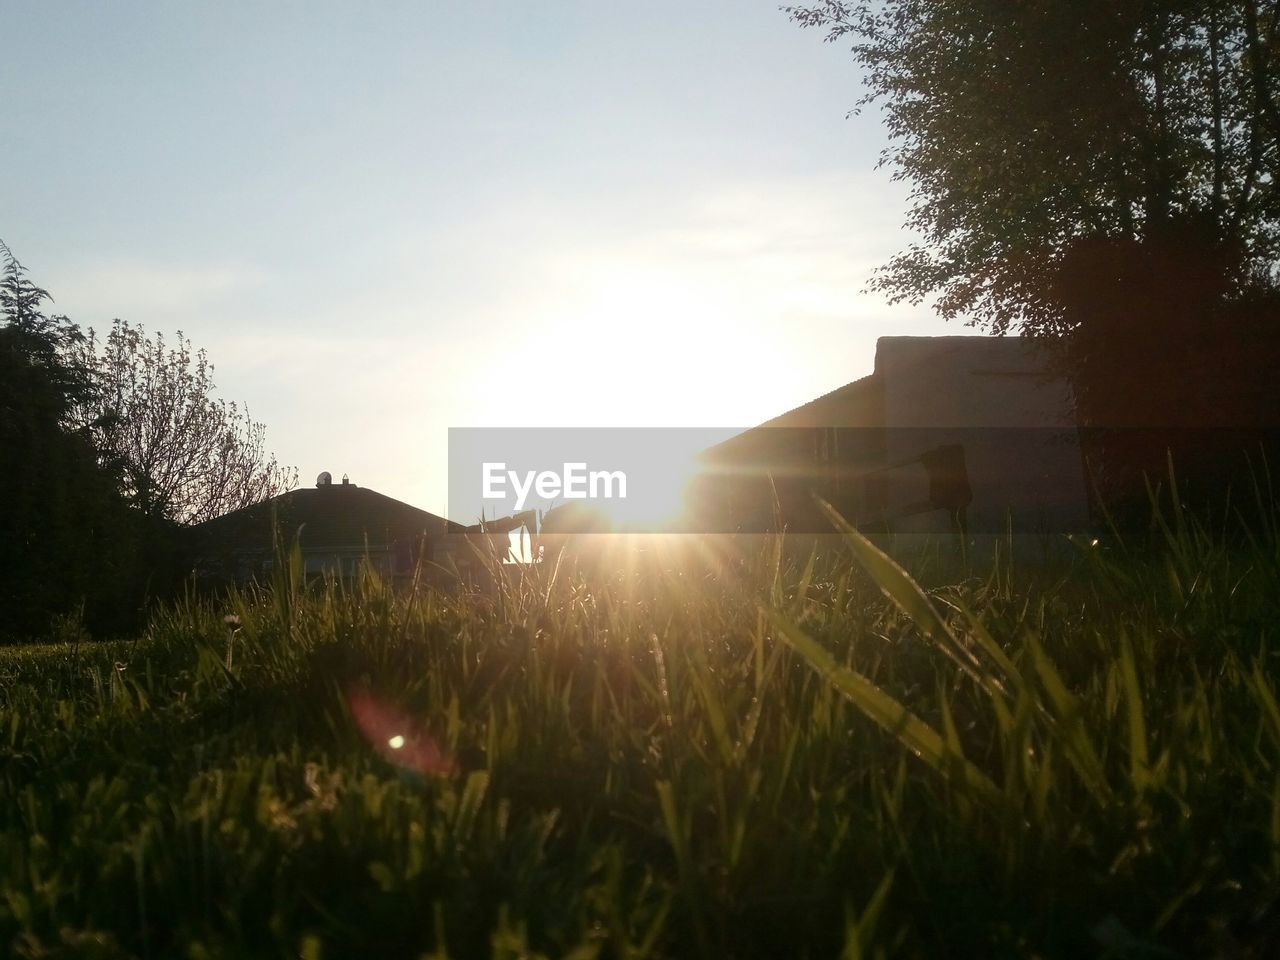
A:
{"points": [[232, 621]]}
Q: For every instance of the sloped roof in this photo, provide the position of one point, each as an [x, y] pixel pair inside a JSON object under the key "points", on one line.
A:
{"points": [[337, 516], [861, 403], [856, 404]]}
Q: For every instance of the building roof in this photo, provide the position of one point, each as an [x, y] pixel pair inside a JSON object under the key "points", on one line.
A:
{"points": [[856, 404], [334, 516], [861, 403]]}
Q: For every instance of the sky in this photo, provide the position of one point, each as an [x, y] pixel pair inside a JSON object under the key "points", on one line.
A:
{"points": [[386, 220]]}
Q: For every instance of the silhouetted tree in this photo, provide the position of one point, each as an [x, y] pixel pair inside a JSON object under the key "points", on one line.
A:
{"points": [[1103, 175], [183, 454], [1028, 129], [105, 448], [69, 544], [47, 341]]}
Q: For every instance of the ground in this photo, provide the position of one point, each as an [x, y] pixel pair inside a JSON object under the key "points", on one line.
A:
{"points": [[764, 754]]}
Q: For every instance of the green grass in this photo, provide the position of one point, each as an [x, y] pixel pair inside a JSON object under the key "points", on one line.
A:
{"points": [[778, 754]]}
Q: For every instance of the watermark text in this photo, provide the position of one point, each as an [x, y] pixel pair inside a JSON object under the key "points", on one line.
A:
{"points": [[574, 482]]}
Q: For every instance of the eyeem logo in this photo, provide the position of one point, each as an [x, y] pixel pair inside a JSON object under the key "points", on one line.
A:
{"points": [[575, 482]]}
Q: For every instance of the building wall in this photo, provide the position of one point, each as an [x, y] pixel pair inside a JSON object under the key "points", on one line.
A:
{"points": [[1016, 423]]}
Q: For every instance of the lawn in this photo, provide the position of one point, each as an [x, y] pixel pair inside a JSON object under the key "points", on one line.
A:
{"points": [[773, 752]]}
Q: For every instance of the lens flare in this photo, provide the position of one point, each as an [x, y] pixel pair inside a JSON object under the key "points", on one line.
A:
{"points": [[397, 737]]}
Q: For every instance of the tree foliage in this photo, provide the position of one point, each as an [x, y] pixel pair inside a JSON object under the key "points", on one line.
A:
{"points": [[69, 545], [1030, 130], [183, 453], [47, 341], [105, 447]]}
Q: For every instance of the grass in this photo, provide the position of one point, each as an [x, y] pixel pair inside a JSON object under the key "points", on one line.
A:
{"points": [[775, 753]]}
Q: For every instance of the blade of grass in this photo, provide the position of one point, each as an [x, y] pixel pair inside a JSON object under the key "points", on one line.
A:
{"points": [[1138, 757], [1069, 723], [905, 593], [886, 712]]}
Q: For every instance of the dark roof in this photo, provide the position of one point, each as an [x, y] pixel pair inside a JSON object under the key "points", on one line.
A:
{"points": [[856, 404], [334, 516], [860, 403]]}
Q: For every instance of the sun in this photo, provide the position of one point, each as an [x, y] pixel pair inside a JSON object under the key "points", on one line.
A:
{"points": [[655, 497]]}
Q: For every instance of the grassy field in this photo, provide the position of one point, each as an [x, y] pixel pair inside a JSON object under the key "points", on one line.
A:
{"points": [[687, 755]]}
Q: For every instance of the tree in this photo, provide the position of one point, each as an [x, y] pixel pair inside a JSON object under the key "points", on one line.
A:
{"points": [[1103, 176], [182, 453], [106, 445], [1032, 130], [69, 545], [48, 342]]}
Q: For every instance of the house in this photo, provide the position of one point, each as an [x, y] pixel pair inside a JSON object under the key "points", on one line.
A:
{"points": [[339, 527], [946, 433]]}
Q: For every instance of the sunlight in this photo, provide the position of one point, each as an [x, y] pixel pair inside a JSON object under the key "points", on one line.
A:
{"points": [[624, 347], [656, 499]]}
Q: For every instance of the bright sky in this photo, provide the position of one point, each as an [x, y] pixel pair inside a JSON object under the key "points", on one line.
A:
{"points": [[384, 220]]}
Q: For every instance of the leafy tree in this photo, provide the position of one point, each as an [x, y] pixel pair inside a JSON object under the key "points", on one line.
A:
{"points": [[182, 453], [1102, 175], [106, 445], [1031, 130], [47, 341], [69, 545]]}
